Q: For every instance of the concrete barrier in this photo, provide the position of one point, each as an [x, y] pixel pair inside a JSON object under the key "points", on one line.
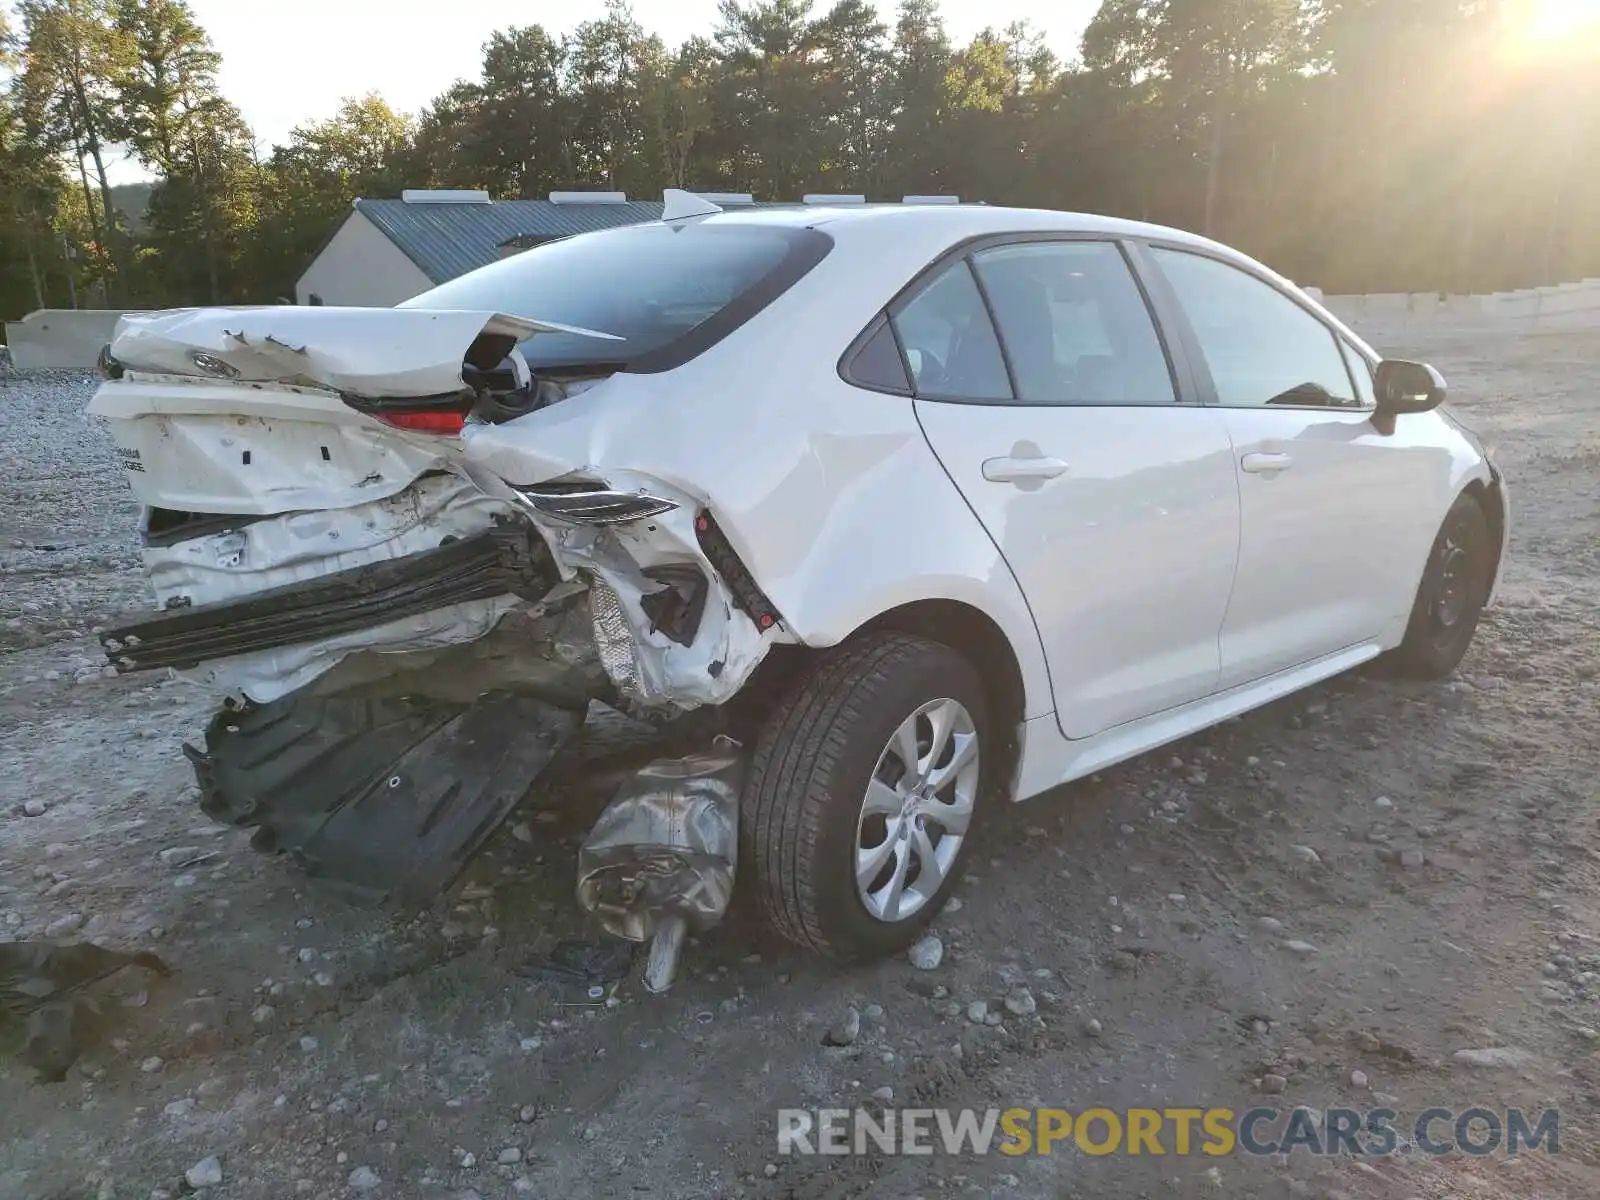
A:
{"points": [[60, 339], [1559, 306]]}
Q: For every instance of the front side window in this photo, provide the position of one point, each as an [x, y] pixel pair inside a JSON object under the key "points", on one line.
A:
{"points": [[667, 291], [1075, 327], [1361, 372], [1261, 347], [949, 340]]}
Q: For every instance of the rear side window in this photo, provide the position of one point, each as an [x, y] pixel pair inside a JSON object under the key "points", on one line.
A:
{"points": [[669, 292], [877, 364], [949, 340], [1075, 326], [1261, 347]]}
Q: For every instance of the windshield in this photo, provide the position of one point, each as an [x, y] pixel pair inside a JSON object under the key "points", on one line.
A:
{"points": [[669, 291]]}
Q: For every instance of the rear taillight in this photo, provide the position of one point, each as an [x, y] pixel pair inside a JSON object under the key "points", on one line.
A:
{"points": [[425, 420]]}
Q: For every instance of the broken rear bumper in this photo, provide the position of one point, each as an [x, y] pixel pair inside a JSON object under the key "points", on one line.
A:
{"points": [[508, 560]]}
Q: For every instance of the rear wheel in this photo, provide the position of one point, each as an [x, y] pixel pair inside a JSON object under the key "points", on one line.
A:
{"points": [[864, 789], [1455, 586]]}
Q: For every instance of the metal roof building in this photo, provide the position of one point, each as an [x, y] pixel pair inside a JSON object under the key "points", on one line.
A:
{"points": [[386, 251]]}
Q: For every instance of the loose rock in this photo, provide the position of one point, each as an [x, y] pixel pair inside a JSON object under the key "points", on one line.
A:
{"points": [[1019, 1002], [1306, 855], [846, 1031], [205, 1173], [1494, 1057], [35, 808], [62, 926], [364, 1179], [926, 953], [1272, 1085]]}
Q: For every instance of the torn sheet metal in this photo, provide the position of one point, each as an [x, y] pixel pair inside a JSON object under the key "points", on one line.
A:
{"points": [[661, 858], [653, 667], [500, 565], [245, 559], [385, 793], [366, 352]]}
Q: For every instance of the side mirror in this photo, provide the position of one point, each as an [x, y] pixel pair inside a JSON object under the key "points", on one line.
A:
{"points": [[1408, 387]]}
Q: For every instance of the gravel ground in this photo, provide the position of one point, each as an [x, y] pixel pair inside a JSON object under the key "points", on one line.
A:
{"points": [[1322, 903]]}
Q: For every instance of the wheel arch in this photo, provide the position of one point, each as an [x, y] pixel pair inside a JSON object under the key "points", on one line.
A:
{"points": [[965, 628], [1491, 497]]}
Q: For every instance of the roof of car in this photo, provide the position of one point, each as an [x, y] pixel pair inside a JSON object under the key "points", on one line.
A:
{"points": [[958, 219]]}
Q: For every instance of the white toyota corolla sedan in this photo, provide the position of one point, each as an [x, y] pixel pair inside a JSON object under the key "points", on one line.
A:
{"points": [[934, 507]]}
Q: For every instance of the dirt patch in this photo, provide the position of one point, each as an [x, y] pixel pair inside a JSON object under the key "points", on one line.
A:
{"points": [[1179, 943]]}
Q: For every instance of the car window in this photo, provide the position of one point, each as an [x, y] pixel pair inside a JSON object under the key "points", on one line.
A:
{"points": [[1074, 325], [1261, 347], [949, 341], [1361, 372], [877, 364], [668, 291]]}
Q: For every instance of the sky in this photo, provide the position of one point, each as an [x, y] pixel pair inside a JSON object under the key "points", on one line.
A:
{"points": [[291, 61]]}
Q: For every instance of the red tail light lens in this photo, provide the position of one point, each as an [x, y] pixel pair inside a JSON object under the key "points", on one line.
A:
{"points": [[425, 421]]}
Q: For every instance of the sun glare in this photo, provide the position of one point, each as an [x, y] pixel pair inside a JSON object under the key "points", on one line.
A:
{"points": [[1554, 20]]}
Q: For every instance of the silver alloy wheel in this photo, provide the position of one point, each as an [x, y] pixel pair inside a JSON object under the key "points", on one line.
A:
{"points": [[915, 814]]}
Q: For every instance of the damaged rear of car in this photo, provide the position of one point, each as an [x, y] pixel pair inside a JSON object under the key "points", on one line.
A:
{"points": [[407, 628]]}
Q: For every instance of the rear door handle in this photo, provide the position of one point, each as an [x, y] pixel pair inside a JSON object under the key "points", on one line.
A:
{"points": [[1021, 470], [1266, 464]]}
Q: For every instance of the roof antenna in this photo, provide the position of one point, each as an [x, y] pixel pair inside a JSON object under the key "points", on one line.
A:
{"points": [[679, 205]]}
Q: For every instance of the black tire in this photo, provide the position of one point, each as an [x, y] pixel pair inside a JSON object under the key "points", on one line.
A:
{"points": [[812, 763], [1450, 599]]}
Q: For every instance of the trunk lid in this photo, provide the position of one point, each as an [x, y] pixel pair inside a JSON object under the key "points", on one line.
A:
{"points": [[261, 411], [368, 353]]}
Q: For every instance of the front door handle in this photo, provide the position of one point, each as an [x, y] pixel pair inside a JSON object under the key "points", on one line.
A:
{"points": [[1022, 470], [1266, 464]]}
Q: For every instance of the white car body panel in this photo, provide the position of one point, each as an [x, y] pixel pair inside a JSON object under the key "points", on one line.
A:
{"points": [[834, 498], [1050, 760], [194, 445], [808, 479], [1333, 544], [1127, 557]]}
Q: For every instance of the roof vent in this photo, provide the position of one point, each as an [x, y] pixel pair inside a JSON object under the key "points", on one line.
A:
{"points": [[930, 200], [444, 196], [832, 198], [588, 197]]}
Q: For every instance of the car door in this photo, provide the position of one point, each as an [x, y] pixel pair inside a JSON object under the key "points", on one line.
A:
{"points": [[1046, 392], [1328, 552]]}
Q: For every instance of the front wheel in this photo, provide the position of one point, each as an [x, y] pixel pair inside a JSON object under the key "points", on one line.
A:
{"points": [[864, 788], [1454, 589]]}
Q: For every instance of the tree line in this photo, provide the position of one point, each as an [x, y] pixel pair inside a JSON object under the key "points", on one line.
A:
{"points": [[1362, 145]]}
